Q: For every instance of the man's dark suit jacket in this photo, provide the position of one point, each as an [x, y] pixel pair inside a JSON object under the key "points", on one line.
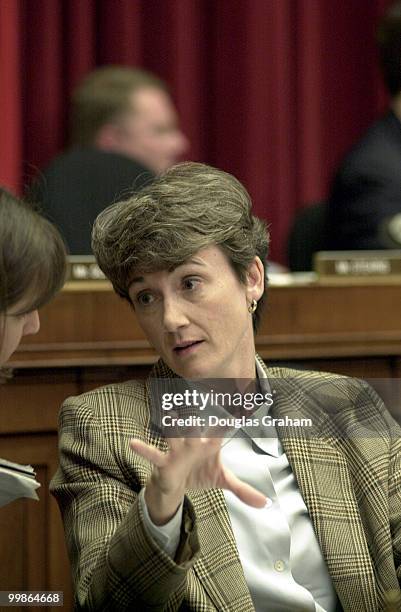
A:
{"points": [[367, 189], [78, 185]]}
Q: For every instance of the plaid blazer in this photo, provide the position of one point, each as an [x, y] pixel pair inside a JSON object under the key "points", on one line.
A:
{"points": [[348, 471]]}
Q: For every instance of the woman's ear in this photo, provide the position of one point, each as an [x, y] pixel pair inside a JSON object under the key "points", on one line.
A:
{"points": [[255, 279]]}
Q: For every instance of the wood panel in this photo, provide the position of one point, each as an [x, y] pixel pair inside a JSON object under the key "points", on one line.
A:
{"points": [[92, 326], [31, 534]]}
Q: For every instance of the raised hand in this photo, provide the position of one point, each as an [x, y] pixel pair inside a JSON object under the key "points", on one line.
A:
{"points": [[190, 463]]}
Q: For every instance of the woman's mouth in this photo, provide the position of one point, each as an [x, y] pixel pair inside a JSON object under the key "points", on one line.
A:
{"points": [[186, 348]]}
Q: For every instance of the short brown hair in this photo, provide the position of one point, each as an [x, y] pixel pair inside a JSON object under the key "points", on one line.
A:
{"points": [[103, 96], [189, 207], [32, 256]]}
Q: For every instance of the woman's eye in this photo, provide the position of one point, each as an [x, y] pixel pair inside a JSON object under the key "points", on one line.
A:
{"points": [[190, 283], [144, 299]]}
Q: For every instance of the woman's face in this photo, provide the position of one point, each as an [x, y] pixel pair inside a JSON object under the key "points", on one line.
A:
{"points": [[197, 317], [13, 326]]}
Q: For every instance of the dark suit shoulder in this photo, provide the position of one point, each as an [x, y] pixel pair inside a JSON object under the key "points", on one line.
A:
{"points": [[79, 158], [79, 184], [103, 173], [378, 149]]}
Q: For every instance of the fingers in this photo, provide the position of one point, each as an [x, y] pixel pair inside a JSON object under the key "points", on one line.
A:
{"points": [[193, 452], [205, 448], [194, 431], [244, 491], [152, 454], [178, 446]]}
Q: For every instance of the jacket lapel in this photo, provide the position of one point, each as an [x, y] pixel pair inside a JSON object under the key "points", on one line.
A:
{"points": [[219, 569], [323, 478]]}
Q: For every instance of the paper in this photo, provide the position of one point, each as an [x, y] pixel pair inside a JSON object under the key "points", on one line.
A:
{"points": [[16, 481]]}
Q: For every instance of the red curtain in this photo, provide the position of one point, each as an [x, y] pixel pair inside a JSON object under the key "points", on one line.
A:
{"points": [[273, 91]]}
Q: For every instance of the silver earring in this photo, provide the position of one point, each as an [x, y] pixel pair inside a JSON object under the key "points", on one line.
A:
{"points": [[252, 306]]}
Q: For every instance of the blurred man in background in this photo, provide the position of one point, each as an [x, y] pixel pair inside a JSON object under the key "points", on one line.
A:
{"points": [[366, 194], [125, 130]]}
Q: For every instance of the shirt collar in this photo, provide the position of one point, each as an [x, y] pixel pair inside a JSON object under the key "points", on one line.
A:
{"points": [[263, 438]]}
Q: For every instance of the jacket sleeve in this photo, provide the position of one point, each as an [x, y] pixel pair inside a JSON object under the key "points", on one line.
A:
{"points": [[395, 499], [116, 563]]}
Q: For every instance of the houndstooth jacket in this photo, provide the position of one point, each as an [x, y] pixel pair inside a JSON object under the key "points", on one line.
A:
{"points": [[348, 471]]}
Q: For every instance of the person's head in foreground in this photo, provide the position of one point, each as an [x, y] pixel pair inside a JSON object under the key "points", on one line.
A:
{"points": [[188, 254], [128, 111], [32, 270]]}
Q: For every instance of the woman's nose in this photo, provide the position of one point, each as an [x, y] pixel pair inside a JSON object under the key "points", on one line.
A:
{"points": [[173, 316]]}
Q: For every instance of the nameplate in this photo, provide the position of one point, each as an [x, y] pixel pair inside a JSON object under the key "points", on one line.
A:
{"points": [[346, 264], [83, 268]]}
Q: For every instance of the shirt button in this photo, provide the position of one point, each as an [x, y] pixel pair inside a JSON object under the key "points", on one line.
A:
{"points": [[268, 503], [279, 565]]}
